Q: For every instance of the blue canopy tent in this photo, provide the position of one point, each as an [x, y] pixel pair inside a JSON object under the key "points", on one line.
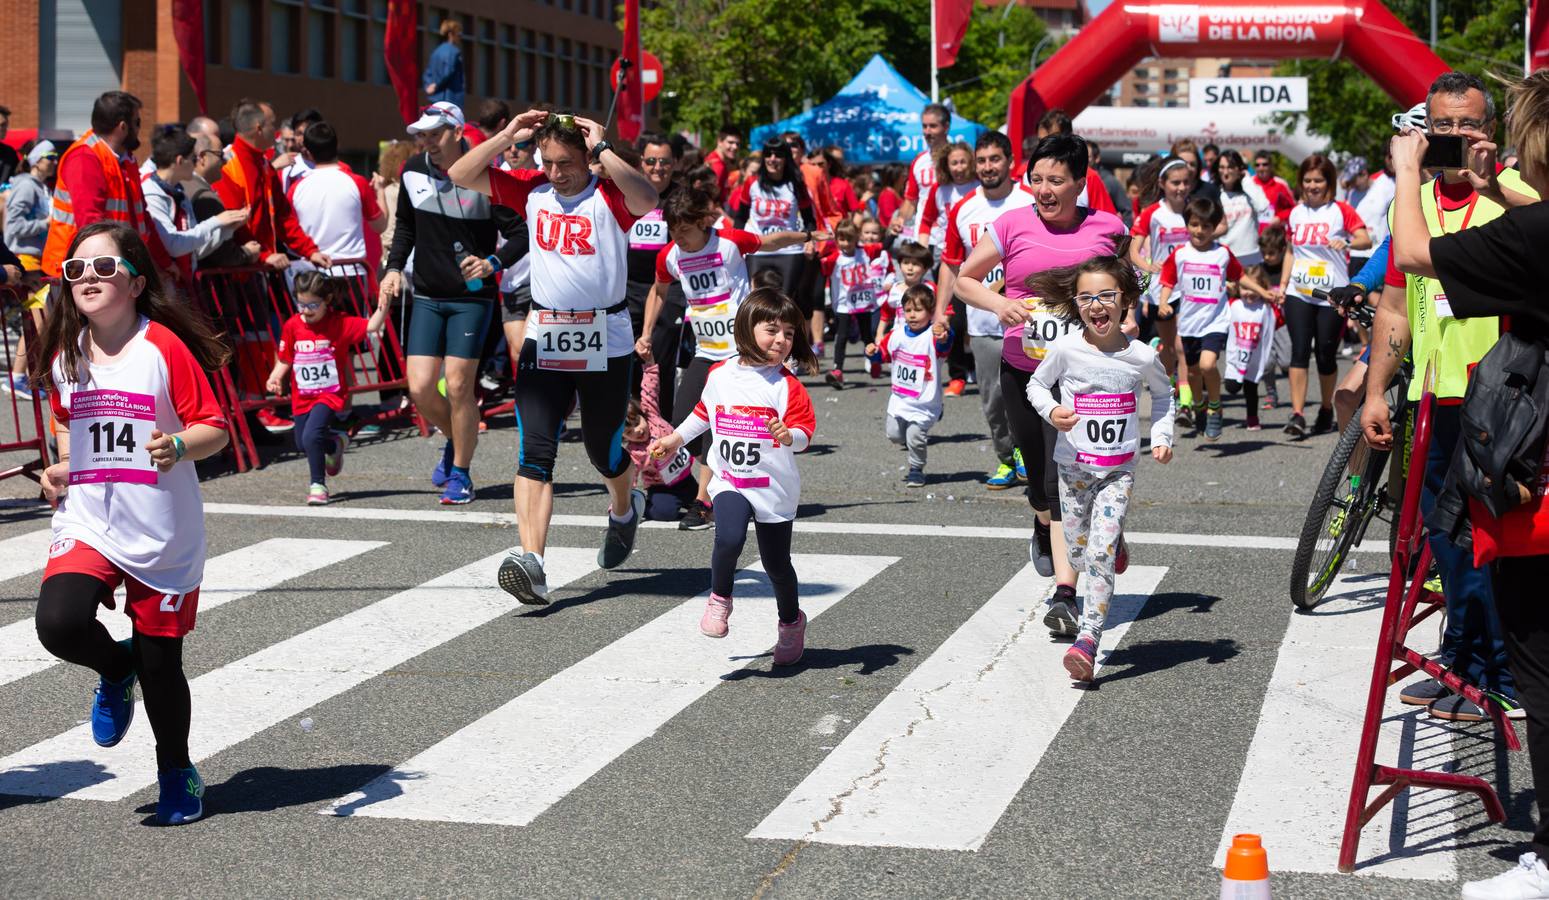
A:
{"points": [[874, 119]]}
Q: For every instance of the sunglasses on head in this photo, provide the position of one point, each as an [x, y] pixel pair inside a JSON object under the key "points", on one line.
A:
{"points": [[101, 266]]}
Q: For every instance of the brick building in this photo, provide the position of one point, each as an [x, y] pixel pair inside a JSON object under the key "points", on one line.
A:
{"points": [[295, 53], [1164, 83]]}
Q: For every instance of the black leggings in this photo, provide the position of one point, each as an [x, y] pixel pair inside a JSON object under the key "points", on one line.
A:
{"points": [[1035, 438], [842, 327], [68, 628], [732, 515], [543, 400], [1518, 582], [1307, 322]]}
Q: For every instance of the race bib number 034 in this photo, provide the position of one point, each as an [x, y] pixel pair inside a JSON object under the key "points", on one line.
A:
{"points": [[108, 433], [316, 373]]}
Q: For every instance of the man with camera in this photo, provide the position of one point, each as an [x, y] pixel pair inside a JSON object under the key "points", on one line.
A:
{"points": [[1414, 318]]}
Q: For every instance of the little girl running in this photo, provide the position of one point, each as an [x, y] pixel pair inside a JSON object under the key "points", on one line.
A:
{"points": [[758, 417], [314, 348], [124, 366], [1101, 371]]}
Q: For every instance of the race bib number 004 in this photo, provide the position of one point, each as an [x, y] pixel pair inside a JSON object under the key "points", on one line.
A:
{"points": [[570, 341], [108, 433], [909, 374]]}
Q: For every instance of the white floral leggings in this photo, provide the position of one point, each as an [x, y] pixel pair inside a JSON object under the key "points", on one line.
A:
{"points": [[1093, 505]]}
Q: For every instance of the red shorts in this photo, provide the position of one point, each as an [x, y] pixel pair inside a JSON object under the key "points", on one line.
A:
{"points": [[152, 612]]}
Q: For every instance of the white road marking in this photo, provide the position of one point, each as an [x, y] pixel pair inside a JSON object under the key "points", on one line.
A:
{"points": [[826, 725], [24, 553], [935, 765], [241, 699], [514, 763], [803, 526], [230, 576], [1295, 781]]}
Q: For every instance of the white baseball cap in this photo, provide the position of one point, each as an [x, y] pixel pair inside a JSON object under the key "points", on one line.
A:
{"points": [[40, 150], [441, 114]]}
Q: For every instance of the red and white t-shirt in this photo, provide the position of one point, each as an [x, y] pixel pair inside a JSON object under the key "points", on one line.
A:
{"points": [[1314, 264], [969, 220], [922, 177], [715, 282], [148, 523], [932, 231], [1167, 232], [735, 408], [853, 285], [771, 209], [1249, 338], [319, 357], [1198, 279], [578, 245], [333, 207]]}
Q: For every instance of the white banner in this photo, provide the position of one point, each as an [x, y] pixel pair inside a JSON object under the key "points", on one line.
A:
{"points": [[1263, 94]]}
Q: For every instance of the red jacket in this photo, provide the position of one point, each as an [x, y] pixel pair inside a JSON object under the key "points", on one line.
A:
{"points": [[249, 180]]}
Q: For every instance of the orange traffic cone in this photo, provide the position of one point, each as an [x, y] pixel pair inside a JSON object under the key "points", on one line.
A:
{"points": [[1246, 876]]}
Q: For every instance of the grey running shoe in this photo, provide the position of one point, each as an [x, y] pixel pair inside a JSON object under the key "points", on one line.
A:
{"points": [[522, 577], [1213, 425], [1061, 619], [619, 542]]}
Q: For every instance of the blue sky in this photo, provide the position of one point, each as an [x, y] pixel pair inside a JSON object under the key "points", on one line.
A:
{"points": [[1097, 6]]}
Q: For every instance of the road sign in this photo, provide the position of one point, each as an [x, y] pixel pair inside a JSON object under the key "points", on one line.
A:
{"points": [[1266, 94], [650, 70]]}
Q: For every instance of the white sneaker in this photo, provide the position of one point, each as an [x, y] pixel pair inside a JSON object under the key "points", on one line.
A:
{"points": [[1525, 881]]}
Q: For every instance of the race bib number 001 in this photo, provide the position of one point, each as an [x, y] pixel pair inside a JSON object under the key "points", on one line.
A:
{"points": [[108, 433], [316, 373], [1106, 436], [570, 341]]}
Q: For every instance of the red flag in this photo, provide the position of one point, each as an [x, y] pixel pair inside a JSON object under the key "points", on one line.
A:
{"points": [[631, 102], [951, 24], [401, 50], [1538, 35], [188, 31]]}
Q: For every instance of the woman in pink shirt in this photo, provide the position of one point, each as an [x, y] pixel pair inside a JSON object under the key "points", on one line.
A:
{"points": [[1053, 232]]}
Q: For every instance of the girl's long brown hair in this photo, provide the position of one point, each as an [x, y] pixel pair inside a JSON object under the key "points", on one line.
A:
{"points": [[771, 305], [1057, 287], [62, 326]]}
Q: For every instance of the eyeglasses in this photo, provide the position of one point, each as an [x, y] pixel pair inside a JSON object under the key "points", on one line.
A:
{"points": [[657, 161], [101, 266], [216, 153], [308, 307], [1106, 298], [1448, 126]]}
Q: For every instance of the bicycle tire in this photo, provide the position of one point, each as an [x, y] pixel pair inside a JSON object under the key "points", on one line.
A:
{"points": [[1308, 583]]}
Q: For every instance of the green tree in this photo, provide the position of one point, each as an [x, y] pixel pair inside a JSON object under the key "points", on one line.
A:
{"points": [[1483, 37]]}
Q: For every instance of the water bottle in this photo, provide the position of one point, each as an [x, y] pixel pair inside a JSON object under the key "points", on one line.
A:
{"points": [[472, 284]]}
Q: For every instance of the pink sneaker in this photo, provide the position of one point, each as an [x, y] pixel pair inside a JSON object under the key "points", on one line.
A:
{"points": [[792, 641], [717, 611], [1078, 659]]}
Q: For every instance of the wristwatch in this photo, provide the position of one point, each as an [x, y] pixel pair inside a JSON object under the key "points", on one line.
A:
{"points": [[597, 151]]}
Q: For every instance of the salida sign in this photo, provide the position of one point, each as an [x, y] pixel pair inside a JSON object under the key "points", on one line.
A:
{"points": [[1279, 94], [1189, 24]]}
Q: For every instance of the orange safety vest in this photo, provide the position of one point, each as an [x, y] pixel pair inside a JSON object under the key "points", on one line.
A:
{"points": [[124, 204]]}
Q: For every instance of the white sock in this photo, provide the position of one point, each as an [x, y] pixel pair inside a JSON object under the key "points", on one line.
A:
{"points": [[626, 518], [539, 558]]}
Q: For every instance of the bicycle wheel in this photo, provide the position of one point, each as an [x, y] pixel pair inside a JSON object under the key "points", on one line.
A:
{"points": [[1344, 502]]}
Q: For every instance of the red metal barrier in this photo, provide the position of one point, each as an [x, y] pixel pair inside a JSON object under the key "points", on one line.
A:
{"points": [[28, 434], [251, 304], [1406, 594]]}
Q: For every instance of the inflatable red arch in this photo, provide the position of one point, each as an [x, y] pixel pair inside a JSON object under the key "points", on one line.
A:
{"points": [[1362, 31]]}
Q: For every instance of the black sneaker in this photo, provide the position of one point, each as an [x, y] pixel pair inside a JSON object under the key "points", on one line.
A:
{"points": [[1423, 692], [619, 542], [1324, 423], [914, 478], [1457, 708], [1061, 619], [521, 576], [1297, 426], [697, 518], [1039, 550]]}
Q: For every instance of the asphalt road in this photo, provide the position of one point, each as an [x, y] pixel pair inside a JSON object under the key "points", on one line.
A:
{"points": [[647, 776]]}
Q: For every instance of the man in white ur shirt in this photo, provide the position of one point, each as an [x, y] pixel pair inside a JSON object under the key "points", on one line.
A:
{"points": [[333, 204], [935, 119]]}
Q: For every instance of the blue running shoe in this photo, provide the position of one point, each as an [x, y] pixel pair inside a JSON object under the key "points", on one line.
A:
{"points": [[443, 470], [459, 490], [1016, 456], [113, 710], [182, 796], [1002, 478]]}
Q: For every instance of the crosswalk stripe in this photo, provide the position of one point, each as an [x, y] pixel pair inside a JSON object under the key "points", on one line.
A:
{"points": [[1296, 780], [24, 553], [583, 718], [237, 701], [939, 760], [230, 576]]}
